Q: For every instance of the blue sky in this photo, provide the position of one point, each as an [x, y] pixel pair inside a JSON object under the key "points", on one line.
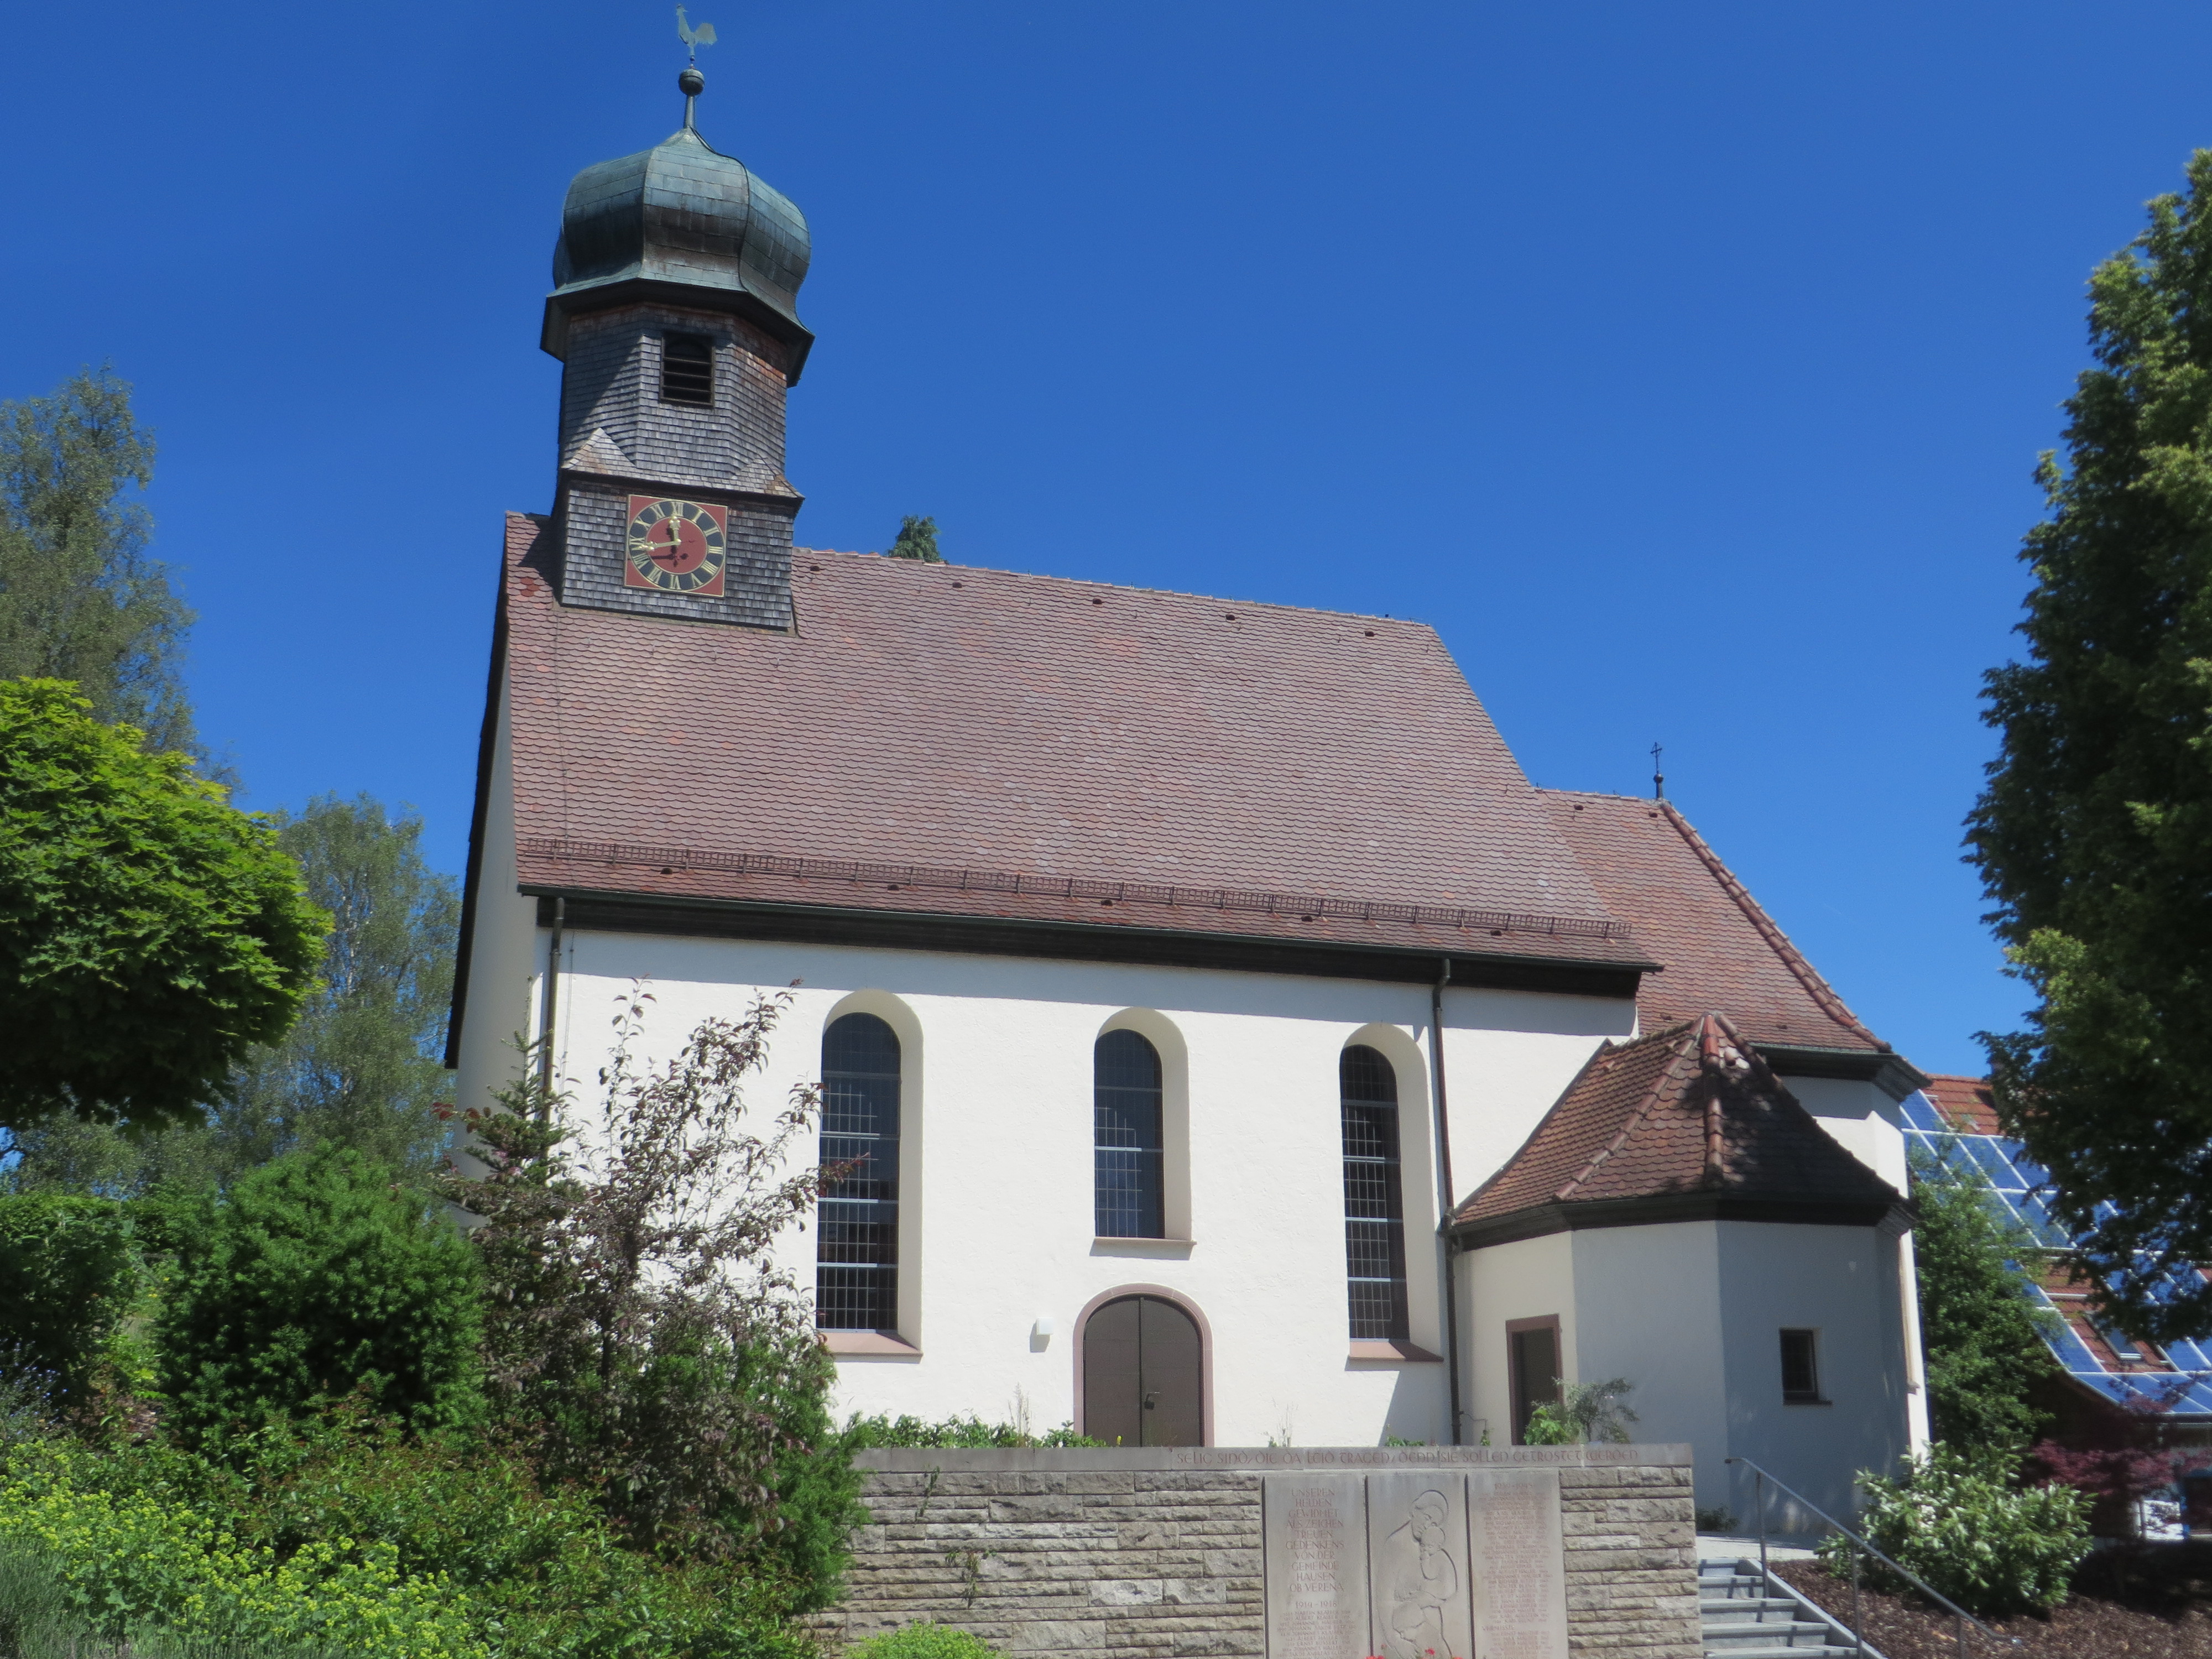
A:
{"points": [[1684, 365]]}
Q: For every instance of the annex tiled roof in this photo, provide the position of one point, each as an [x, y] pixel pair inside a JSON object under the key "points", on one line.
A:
{"points": [[1719, 949], [1964, 1104], [942, 738], [1688, 1109]]}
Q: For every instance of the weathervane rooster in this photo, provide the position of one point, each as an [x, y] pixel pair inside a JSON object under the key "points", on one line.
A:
{"points": [[693, 38]]}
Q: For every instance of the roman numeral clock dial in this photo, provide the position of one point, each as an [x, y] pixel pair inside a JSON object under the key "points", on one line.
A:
{"points": [[677, 547]]}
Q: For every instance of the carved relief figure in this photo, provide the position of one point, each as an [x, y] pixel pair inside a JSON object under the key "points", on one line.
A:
{"points": [[1421, 1578]]}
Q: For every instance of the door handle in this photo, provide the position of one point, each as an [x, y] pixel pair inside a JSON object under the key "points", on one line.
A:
{"points": [[1151, 1400]]}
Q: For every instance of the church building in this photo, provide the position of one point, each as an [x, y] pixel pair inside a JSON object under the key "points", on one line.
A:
{"points": [[1230, 1044]]}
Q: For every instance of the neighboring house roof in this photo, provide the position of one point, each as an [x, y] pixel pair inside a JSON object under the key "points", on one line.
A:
{"points": [[945, 741], [1965, 1103], [1718, 948], [1686, 1123], [1952, 1123]]}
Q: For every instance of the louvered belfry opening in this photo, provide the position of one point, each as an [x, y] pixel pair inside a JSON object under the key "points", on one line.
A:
{"points": [[1126, 1114], [856, 1237], [1374, 1198], [687, 370]]}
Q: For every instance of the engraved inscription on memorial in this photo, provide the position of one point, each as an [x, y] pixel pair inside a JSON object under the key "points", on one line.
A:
{"points": [[1316, 1565], [1518, 1564]]}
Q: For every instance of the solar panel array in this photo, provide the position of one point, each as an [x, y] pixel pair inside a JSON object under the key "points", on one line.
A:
{"points": [[2021, 1185]]}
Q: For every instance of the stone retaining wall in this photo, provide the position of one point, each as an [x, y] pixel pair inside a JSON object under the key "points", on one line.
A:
{"points": [[1156, 1554]]}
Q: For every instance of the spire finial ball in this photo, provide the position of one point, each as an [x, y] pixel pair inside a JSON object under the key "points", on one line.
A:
{"points": [[691, 83]]}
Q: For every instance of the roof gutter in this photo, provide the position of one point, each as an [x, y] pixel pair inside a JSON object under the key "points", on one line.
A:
{"points": [[633, 911], [1444, 1192]]}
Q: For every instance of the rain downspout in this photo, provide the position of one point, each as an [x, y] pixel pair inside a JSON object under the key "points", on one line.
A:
{"points": [[1445, 1188], [552, 1001]]}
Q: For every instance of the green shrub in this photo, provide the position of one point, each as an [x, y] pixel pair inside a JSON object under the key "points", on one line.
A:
{"points": [[818, 1490], [523, 1571], [68, 1275], [315, 1277], [923, 1642], [970, 1430], [1955, 1520], [1549, 1425], [120, 1563]]}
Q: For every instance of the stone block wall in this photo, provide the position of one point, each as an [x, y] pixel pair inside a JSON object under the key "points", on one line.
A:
{"points": [[1157, 1554]]}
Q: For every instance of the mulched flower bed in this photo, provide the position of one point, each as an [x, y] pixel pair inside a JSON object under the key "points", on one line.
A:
{"points": [[2138, 1601]]}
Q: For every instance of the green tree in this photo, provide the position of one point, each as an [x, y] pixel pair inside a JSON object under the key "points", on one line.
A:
{"points": [[311, 1279], [917, 539], [80, 599], [364, 1067], [149, 934], [1981, 1326], [2094, 834]]}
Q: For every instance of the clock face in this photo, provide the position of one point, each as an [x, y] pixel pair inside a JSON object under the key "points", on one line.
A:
{"points": [[677, 547]]}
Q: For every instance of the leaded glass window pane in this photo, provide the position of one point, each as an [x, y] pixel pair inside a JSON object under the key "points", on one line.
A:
{"points": [[1126, 1114], [856, 1238], [1374, 1200]]}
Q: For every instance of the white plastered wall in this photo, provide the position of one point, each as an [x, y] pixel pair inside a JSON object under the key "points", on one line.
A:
{"points": [[1862, 1119], [506, 947], [1690, 1313], [1528, 1278], [1841, 1282], [1647, 1303], [996, 1224]]}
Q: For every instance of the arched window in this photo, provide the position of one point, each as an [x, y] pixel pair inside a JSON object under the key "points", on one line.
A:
{"points": [[1374, 1202], [1126, 1111], [856, 1238]]}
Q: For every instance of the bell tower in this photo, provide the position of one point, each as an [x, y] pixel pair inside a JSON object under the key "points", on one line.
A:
{"points": [[674, 313]]}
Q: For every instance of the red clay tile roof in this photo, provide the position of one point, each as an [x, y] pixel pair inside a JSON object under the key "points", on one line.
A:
{"points": [[937, 738], [1964, 1104], [1688, 1109], [1719, 949]]}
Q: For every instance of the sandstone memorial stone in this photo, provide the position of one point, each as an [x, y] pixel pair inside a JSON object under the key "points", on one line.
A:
{"points": [[1417, 1559], [1315, 1564], [1519, 1564], [1281, 1552]]}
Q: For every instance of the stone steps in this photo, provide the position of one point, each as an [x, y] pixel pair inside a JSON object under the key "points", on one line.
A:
{"points": [[1743, 1616]]}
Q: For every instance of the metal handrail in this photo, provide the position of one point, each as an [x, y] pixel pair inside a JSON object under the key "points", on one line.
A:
{"points": [[1959, 1617]]}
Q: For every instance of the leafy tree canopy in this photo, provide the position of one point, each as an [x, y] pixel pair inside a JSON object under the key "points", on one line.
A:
{"points": [[1980, 1326], [2094, 834], [362, 1066], [917, 539], [79, 598], [150, 933]]}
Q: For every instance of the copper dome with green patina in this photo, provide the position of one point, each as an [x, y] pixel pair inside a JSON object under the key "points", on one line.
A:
{"points": [[684, 224]]}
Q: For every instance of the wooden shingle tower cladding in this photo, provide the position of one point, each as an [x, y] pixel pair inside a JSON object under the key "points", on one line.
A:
{"points": [[676, 250]]}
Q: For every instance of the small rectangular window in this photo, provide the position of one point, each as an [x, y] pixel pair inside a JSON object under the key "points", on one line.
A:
{"points": [[687, 370], [1800, 1368], [2125, 1348], [1533, 1357]]}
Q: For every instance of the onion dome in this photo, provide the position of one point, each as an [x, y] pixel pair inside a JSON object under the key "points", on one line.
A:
{"points": [[685, 225]]}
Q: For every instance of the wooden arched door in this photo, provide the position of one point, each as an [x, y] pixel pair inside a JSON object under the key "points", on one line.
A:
{"points": [[1143, 1381]]}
